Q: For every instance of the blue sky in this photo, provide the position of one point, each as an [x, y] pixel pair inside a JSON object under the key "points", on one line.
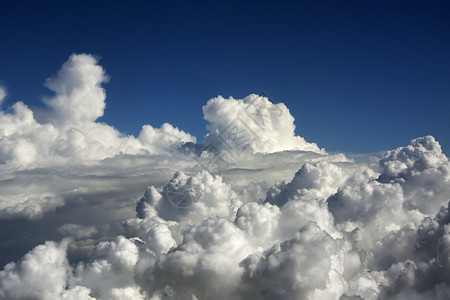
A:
{"points": [[358, 76]]}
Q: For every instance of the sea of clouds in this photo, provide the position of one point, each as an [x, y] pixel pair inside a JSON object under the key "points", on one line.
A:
{"points": [[252, 212]]}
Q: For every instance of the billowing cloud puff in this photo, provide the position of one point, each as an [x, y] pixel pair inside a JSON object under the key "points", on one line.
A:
{"points": [[190, 199], [425, 275], [305, 267], [79, 96], [422, 170], [165, 137], [29, 206], [41, 274], [205, 265], [109, 274], [259, 222], [266, 224], [422, 154], [413, 183], [319, 180], [159, 238], [252, 124]]}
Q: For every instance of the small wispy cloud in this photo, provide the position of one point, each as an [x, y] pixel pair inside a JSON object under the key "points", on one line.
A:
{"points": [[2, 94]]}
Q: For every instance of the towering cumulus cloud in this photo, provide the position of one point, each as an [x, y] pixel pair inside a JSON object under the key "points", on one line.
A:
{"points": [[147, 217], [253, 122], [79, 96], [67, 132]]}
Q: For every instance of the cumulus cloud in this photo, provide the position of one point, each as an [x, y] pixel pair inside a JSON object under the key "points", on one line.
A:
{"points": [[79, 96], [41, 274], [66, 133], [336, 231], [29, 206], [148, 217], [307, 266], [422, 170], [190, 199], [205, 265], [320, 180], [109, 275], [252, 124]]}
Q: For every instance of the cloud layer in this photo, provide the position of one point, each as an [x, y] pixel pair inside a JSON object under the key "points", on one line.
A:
{"points": [[254, 212]]}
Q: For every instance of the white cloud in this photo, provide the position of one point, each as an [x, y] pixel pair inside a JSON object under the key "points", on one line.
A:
{"points": [[320, 180], [68, 133], [29, 206], [155, 139], [190, 199], [422, 170], [41, 274], [283, 220], [305, 267], [109, 275], [79, 96], [253, 123], [205, 265]]}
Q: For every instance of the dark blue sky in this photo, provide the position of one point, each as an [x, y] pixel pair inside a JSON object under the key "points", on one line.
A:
{"points": [[358, 76]]}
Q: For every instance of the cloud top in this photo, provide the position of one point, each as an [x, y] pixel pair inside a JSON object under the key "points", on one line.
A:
{"points": [[79, 96], [253, 123]]}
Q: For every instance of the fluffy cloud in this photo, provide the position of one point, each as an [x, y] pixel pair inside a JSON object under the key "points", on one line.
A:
{"points": [[205, 265], [41, 274], [109, 274], [319, 180], [305, 267], [165, 137], [66, 133], [270, 223], [327, 233], [79, 96], [190, 199], [252, 124], [422, 170], [413, 183], [29, 206]]}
